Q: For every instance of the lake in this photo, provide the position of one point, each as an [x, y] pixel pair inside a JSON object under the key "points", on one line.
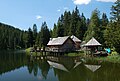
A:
{"points": [[17, 66]]}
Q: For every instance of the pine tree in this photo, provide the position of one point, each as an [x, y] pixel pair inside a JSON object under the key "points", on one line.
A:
{"points": [[104, 20], [30, 38], [83, 26], [115, 12], [34, 33], [75, 19], [111, 34], [54, 32], [44, 34], [60, 28], [94, 26], [103, 26], [67, 21]]}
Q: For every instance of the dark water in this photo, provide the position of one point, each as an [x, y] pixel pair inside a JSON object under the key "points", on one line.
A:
{"points": [[16, 66]]}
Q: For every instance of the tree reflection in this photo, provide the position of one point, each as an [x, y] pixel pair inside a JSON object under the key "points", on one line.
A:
{"points": [[11, 60], [38, 64]]}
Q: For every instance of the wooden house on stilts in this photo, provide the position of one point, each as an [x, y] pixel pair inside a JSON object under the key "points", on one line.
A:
{"points": [[92, 45], [61, 44]]}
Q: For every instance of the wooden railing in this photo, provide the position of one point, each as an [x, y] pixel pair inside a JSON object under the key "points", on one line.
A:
{"points": [[58, 50]]}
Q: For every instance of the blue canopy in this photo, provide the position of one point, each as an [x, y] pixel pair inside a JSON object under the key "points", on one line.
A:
{"points": [[108, 50]]}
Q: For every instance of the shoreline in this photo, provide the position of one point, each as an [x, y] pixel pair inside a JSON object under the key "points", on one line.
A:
{"points": [[115, 58]]}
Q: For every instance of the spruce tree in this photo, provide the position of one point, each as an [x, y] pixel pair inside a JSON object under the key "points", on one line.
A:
{"points": [[54, 32], [104, 20], [109, 35], [30, 38], [60, 28], [34, 33], [115, 13], [103, 26], [83, 26], [66, 22], [75, 19], [44, 34], [94, 26]]}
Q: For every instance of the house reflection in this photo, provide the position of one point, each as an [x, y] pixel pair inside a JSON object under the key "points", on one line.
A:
{"points": [[93, 68], [66, 68], [64, 63]]}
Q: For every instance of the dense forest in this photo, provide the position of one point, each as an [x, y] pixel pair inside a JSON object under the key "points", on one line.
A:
{"points": [[105, 30], [14, 38]]}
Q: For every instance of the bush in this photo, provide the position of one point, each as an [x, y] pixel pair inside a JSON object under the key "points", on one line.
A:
{"points": [[114, 53]]}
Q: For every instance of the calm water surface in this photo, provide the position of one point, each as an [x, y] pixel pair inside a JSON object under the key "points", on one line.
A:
{"points": [[16, 66]]}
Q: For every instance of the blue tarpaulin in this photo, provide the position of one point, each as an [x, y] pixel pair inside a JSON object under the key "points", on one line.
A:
{"points": [[108, 50]]}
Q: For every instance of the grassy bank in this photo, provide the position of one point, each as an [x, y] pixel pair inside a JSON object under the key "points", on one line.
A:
{"points": [[29, 53], [78, 53], [28, 50], [33, 53], [110, 58], [114, 57]]}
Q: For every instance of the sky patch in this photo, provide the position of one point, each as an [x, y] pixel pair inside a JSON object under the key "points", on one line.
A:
{"points": [[65, 8], [35, 12]]}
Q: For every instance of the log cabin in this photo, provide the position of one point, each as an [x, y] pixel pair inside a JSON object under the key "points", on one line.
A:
{"points": [[61, 44]]}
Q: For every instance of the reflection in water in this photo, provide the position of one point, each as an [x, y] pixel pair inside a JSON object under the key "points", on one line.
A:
{"points": [[11, 60], [104, 72], [93, 68], [57, 65], [65, 63], [35, 65], [50, 68]]}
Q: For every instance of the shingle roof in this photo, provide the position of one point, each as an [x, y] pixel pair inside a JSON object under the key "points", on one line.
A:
{"points": [[92, 42], [57, 41], [75, 39]]}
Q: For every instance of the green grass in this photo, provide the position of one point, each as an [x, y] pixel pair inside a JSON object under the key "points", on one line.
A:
{"points": [[80, 53], [110, 58], [33, 53], [29, 53], [114, 57], [28, 50]]}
